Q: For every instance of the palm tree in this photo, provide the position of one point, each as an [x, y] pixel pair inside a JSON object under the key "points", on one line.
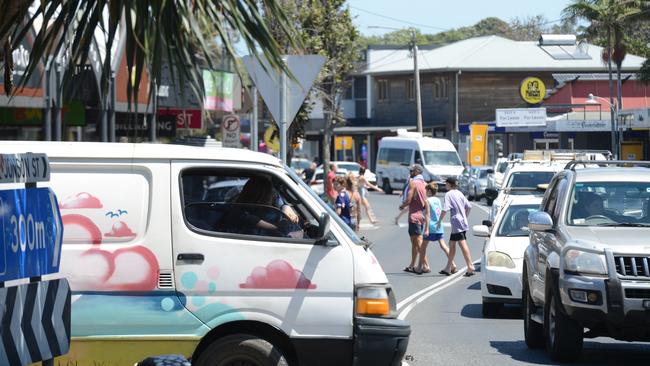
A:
{"points": [[607, 18], [155, 30]]}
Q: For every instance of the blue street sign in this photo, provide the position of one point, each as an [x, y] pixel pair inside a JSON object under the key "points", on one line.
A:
{"points": [[31, 233]]}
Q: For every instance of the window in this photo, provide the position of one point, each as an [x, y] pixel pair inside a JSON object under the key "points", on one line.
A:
{"points": [[382, 90], [410, 89], [515, 221], [440, 88], [610, 204], [244, 203], [528, 181], [441, 158]]}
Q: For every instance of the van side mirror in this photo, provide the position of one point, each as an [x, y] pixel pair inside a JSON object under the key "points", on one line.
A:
{"points": [[491, 193], [540, 221], [323, 226]]}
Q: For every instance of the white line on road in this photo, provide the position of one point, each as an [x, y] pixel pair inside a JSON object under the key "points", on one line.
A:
{"points": [[425, 293]]}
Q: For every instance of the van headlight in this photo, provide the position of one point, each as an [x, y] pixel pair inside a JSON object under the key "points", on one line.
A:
{"points": [[579, 262], [375, 300], [499, 259]]}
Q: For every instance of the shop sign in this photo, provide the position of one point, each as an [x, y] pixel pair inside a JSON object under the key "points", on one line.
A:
{"points": [[343, 142], [73, 112], [532, 90], [188, 118], [521, 117], [636, 118], [582, 126], [219, 87]]}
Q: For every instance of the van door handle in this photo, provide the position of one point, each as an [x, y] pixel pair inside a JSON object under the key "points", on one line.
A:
{"points": [[190, 257]]}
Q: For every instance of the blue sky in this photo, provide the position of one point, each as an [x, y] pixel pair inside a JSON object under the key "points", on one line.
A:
{"points": [[433, 16]]}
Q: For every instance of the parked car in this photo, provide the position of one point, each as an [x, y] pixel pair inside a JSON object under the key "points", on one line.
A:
{"points": [[464, 179], [478, 182], [155, 267], [438, 157], [316, 183], [503, 253], [353, 168], [587, 262], [300, 164]]}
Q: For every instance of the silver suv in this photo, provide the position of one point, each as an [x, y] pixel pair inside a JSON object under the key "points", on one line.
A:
{"points": [[588, 262]]}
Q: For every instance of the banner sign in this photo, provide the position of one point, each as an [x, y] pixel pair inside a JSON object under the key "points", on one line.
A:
{"points": [[478, 147], [31, 233], [521, 117], [218, 87], [24, 168]]}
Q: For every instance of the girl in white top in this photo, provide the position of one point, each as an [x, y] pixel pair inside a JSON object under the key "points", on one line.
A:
{"points": [[363, 192]]}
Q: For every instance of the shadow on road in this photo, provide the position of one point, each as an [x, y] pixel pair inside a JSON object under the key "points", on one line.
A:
{"points": [[474, 311], [594, 353], [475, 286]]}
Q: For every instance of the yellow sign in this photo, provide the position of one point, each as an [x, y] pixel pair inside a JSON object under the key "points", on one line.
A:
{"points": [[343, 142], [478, 147], [272, 137], [532, 90]]}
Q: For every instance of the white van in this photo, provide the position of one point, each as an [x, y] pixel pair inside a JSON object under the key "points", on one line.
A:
{"points": [[160, 264], [438, 157]]}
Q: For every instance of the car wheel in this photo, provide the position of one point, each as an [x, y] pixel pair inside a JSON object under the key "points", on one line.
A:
{"points": [[241, 349], [564, 335], [533, 331], [488, 201], [386, 186], [476, 196], [491, 309]]}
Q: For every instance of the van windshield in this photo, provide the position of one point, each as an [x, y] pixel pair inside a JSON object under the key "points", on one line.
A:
{"points": [[333, 216], [441, 158]]}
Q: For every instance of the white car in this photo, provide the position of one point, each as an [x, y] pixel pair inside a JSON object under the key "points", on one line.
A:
{"points": [[503, 253], [353, 168], [316, 183], [499, 171]]}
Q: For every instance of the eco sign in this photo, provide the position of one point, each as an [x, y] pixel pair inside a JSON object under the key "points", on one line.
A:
{"points": [[532, 90], [31, 233]]}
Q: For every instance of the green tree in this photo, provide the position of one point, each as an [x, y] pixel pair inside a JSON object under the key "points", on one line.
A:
{"points": [[607, 18], [171, 28]]}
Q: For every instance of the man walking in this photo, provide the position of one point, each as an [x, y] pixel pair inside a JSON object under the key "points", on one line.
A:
{"points": [[329, 184], [416, 201]]}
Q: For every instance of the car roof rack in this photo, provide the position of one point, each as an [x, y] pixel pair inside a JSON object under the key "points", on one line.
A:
{"points": [[604, 163]]}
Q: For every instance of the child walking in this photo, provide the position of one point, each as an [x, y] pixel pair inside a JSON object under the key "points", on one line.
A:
{"points": [[342, 202], [436, 233]]}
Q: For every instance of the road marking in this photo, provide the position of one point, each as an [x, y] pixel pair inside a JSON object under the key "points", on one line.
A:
{"points": [[483, 208], [427, 292]]}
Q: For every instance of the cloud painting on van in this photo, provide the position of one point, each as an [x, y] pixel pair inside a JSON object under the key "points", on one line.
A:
{"points": [[120, 230], [81, 200], [279, 274]]}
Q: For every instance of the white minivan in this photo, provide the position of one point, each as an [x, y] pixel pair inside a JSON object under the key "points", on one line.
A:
{"points": [[263, 273], [438, 157]]}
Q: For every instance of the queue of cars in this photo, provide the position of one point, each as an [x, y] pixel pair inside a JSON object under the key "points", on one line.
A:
{"points": [[572, 250]]}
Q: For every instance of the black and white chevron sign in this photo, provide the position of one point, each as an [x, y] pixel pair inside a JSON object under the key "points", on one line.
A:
{"points": [[34, 322]]}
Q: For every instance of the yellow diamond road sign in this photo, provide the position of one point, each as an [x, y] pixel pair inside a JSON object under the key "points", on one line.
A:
{"points": [[272, 137]]}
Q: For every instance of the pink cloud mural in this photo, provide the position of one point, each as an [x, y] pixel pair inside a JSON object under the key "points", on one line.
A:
{"points": [[81, 200], [81, 228], [279, 274], [120, 230]]}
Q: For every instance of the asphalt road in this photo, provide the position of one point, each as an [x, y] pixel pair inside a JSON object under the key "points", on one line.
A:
{"points": [[447, 327]]}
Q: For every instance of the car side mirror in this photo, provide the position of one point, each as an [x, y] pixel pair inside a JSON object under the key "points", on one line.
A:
{"points": [[487, 223], [491, 193], [540, 221], [323, 227], [481, 231]]}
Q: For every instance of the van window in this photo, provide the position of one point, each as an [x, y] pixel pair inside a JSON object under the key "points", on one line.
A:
{"points": [[244, 203], [441, 158], [399, 156]]}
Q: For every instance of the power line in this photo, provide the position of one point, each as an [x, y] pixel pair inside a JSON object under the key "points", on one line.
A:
{"points": [[398, 20]]}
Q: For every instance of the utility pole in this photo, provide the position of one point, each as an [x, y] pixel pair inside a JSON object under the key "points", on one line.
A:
{"points": [[416, 71]]}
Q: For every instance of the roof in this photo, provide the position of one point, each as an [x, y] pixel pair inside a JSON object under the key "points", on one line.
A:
{"points": [[613, 174], [491, 53], [107, 150], [564, 78]]}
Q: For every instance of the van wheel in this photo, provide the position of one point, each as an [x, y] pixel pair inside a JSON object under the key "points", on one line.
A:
{"points": [[533, 331], [491, 309], [241, 350], [386, 186], [564, 335]]}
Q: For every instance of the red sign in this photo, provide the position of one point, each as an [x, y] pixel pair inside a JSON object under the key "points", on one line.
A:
{"points": [[192, 118]]}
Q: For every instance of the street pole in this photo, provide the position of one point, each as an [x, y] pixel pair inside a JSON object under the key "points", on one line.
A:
{"points": [[457, 137], [416, 71], [47, 130], [282, 125], [254, 122]]}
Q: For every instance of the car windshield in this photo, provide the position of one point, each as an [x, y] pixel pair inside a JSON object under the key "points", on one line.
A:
{"points": [[352, 167], [502, 166], [515, 220], [333, 216], [483, 173], [528, 180], [610, 204], [300, 164], [441, 158]]}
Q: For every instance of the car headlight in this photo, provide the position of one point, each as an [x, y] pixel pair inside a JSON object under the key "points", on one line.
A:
{"points": [[499, 259], [375, 300], [579, 262]]}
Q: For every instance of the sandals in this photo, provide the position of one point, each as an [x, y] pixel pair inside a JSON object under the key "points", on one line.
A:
{"points": [[443, 272], [469, 274], [409, 269]]}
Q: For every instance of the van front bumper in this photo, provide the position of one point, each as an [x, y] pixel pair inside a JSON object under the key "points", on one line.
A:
{"points": [[380, 341]]}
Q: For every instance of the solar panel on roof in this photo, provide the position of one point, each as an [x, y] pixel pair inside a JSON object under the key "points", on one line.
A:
{"points": [[566, 52]]}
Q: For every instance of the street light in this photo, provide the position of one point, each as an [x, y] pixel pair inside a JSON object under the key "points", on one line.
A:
{"points": [[594, 99], [416, 72]]}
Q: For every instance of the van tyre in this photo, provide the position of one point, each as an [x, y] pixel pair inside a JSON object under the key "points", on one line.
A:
{"points": [[241, 350], [491, 309], [563, 335], [533, 331], [385, 186]]}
